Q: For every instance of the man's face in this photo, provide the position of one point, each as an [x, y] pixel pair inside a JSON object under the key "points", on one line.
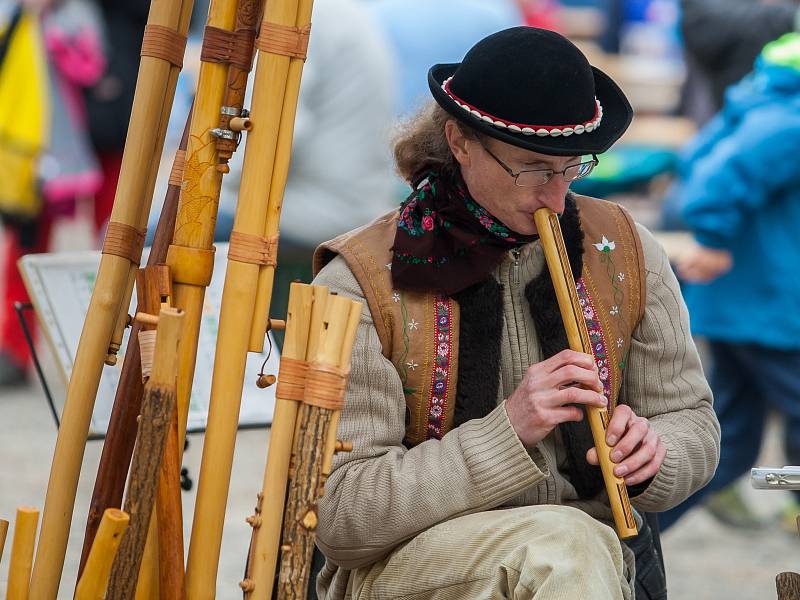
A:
{"points": [[495, 189]]}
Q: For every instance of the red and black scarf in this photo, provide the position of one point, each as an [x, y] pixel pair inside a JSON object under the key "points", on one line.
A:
{"points": [[445, 240]]}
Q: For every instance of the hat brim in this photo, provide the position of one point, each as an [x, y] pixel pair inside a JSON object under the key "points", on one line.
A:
{"points": [[617, 116]]}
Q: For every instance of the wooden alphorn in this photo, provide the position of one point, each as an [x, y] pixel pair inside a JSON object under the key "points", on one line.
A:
{"points": [[94, 581], [19, 567], [3, 532], [555, 254]]}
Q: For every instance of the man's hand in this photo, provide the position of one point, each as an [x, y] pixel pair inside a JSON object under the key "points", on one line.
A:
{"points": [[635, 447], [701, 265], [545, 396]]}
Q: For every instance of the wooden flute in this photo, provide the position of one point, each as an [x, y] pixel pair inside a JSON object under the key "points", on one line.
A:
{"points": [[555, 254]]}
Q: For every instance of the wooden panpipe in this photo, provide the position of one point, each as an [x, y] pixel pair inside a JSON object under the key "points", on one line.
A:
{"points": [[555, 254], [320, 332]]}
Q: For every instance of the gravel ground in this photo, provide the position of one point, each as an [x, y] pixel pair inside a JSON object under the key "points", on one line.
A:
{"points": [[704, 559]]}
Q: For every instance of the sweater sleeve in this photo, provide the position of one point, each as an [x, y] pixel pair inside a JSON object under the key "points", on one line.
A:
{"points": [[382, 494], [664, 382]]}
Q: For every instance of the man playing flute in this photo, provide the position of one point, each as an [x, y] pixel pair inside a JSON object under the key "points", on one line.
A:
{"points": [[473, 472]]}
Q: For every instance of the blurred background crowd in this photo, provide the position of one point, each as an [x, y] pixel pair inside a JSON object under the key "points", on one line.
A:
{"points": [[707, 164]]}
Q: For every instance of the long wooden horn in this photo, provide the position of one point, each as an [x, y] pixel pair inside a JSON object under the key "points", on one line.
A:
{"points": [[19, 567], [158, 72], [249, 251], [112, 472], [555, 254], [157, 409], [94, 581]]}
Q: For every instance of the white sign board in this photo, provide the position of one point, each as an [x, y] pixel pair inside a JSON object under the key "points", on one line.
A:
{"points": [[60, 286]]}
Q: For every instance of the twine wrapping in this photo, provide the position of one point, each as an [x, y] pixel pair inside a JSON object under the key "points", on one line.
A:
{"points": [[125, 241], [325, 386], [284, 40], [291, 379], [147, 348], [164, 43], [178, 166], [253, 249], [228, 47]]}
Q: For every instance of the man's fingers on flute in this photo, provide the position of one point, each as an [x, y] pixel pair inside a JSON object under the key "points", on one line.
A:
{"points": [[569, 357], [650, 469], [619, 423], [640, 457], [571, 375], [578, 395]]}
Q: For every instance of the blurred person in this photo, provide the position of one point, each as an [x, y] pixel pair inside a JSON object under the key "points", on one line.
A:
{"points": [[63, 169], [472, 473], [739, 196], [721, 39], [413, 29], [341, 170]]}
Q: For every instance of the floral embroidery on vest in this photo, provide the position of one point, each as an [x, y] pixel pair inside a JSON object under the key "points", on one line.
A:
{"points": [[441, 372], [404, 365], [596, 336], [605, 247]]}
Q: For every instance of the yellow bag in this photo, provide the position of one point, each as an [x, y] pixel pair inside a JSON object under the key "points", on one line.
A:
{"points": [[24, 118]]}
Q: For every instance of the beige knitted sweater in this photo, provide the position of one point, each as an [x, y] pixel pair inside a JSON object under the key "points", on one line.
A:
{"points": [[382, 493]]}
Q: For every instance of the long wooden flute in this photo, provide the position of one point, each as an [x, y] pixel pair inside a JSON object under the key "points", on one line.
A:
{"points": [[555, 253]]}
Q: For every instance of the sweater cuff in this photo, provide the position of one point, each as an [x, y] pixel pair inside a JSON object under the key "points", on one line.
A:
{"points": [[498, 463], [661, 489]]}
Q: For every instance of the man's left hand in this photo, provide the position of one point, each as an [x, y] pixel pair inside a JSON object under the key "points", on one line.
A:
{"points": [[636, 447]]}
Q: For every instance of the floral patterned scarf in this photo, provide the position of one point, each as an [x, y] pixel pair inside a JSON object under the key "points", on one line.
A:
{"points": [[446, 241]]}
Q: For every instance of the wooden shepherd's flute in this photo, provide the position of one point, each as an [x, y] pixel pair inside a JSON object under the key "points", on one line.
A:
{"points": [[555, 254]]}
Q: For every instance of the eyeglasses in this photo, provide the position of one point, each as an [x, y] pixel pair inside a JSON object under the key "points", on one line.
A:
{"points": [[537, 177]]}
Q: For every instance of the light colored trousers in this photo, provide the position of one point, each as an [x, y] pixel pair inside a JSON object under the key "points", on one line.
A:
{"points": [[542, 552]]}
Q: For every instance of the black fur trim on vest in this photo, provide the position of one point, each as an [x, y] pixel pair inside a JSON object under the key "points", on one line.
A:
{"points": [[541, 296], [480, 329]]}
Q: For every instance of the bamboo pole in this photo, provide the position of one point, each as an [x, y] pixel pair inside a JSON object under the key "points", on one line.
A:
{"points": [[3, 532], [155, 90], [157, 409], [236, 314], [94, 581], [280, 173], [191, 255], [112, 472], [555, 254], [306, 310], [315, 420], [19, 567]]}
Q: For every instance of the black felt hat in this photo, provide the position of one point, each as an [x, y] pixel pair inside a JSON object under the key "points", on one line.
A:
{"points": [[535, 89]]}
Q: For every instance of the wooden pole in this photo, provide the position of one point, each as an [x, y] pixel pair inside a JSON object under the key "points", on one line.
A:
{"points": [[94, 581], [236, 314], [112, 472], [19, 567], [322, 400], [280, 173], [3, 532], [305, 313], [157, 409], [169, 510], [147, 586], [155, 89], [557, 260]]}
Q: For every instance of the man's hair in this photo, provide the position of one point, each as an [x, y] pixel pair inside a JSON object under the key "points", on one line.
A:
{"points": [[420, 143]]}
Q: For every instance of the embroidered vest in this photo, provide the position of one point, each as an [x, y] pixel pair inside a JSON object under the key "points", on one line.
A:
{"points": [[419, 332]]}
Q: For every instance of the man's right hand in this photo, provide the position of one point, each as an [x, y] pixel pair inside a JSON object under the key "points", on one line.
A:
{"points": [[545, 396]]}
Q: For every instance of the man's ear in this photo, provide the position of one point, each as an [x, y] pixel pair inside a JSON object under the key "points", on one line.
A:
{"points": [[457, 142]]}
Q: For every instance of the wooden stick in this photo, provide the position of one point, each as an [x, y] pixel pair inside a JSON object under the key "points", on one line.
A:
{"points": [[94, 581], [280, 173], [19, 567], [555, 254], [310, 449], [3, 532], [306, 310], [171, 572], [112, 472], [147, 586], [157, 409], [155, 89]]}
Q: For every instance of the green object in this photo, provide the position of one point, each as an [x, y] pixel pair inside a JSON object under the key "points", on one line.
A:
{"points": [[729, 508], [626, 169], [785, 51]]}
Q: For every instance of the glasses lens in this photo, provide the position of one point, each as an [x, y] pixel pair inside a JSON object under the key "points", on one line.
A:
{"points": [[578, 171], [533, 178]]}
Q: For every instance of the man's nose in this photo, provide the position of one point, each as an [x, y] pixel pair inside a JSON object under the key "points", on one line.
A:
{"points": [[553, 194]]}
